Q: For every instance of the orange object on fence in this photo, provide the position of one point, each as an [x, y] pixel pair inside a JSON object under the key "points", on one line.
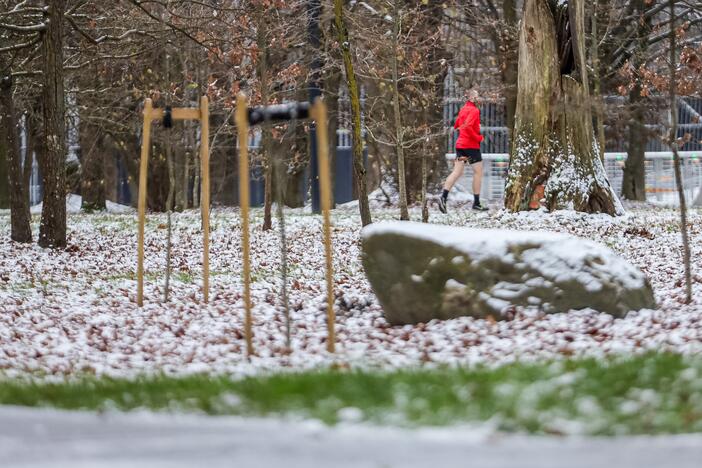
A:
{"points": [[536, 197]]}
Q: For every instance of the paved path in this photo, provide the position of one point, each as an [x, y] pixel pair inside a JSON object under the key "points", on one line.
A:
{"points": [[48, 438]]}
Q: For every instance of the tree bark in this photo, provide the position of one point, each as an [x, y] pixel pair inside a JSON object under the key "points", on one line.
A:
{"points": [[634, 177], [359, 167], [266, 153], [9, 142], [52, 230], [401, 174], [554, 144], [634, 180]]}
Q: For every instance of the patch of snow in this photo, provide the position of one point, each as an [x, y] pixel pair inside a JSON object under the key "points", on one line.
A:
{"points": [[116, 208]]}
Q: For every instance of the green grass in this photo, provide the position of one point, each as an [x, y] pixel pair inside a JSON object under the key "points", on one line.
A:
{"points": [[659, 393]]}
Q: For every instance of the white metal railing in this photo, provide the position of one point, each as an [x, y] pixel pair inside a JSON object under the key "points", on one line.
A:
{"points": [[660, 175]]}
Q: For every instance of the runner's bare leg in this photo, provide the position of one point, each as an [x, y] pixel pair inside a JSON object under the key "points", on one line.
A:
{"points": [[477, 177], [458, 168]]}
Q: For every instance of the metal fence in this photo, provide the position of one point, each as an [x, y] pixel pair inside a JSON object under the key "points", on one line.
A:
{"points": [[660, 176], [36, 188], [492, 115], [660, 180], [496, 134]]}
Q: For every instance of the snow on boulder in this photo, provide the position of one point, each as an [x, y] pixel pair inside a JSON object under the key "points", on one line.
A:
{"points": [[73, 203], [421, 272]]}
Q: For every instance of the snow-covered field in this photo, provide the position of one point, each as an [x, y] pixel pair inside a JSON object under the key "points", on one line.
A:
{"points": [[74, 311]]}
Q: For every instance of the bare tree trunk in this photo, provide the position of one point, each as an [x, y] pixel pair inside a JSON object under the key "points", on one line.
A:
{"points": [[266, 153], [92, 173], [181, 154], [187, 156], [676, 156], [554, 145], [19, 203], [169, 208], [196, 183], [359, 168], [52, 230], [280, 183], [268, 177], [634, 181], [401, 175], [634, 177], [425, 176]]}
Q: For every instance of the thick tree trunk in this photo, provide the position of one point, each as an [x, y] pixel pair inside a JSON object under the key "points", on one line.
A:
{"points": [[554, 144], [9, 142], [634, 181], [52, 230], [401, 174], [359, 167]]}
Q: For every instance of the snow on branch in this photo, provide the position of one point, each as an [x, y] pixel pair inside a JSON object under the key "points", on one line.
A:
{"points": [[22, 28]]}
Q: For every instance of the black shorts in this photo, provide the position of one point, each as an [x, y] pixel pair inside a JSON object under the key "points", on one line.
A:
{"points": [[471, 155]]}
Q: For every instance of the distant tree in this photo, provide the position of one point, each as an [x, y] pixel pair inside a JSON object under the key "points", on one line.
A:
{"points": [[634, 181], [344, 44], [673, 139], [10, 151]]}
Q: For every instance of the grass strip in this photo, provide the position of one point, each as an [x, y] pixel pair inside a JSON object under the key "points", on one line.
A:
{"points": [[651, 394]]}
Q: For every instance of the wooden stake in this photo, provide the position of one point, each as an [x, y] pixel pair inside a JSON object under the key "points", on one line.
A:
{"points": [[242, 124], [205, 198], [182, 113], [143, 170], [319, 113]]}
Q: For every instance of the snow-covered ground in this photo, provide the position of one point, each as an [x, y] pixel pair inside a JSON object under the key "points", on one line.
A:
{"points": [[74, 311], [49, 438]]}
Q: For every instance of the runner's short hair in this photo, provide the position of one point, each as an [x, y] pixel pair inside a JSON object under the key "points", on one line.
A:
{"points": [[471, 92]]}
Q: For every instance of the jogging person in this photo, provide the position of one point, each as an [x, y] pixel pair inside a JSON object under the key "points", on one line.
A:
{"points": [[467, 150]]}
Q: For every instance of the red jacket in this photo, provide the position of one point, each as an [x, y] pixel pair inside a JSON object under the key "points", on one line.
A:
{"points": [[468, 124]]}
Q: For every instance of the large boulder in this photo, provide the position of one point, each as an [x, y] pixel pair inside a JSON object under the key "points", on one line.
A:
{"points": [[421, 272]]}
